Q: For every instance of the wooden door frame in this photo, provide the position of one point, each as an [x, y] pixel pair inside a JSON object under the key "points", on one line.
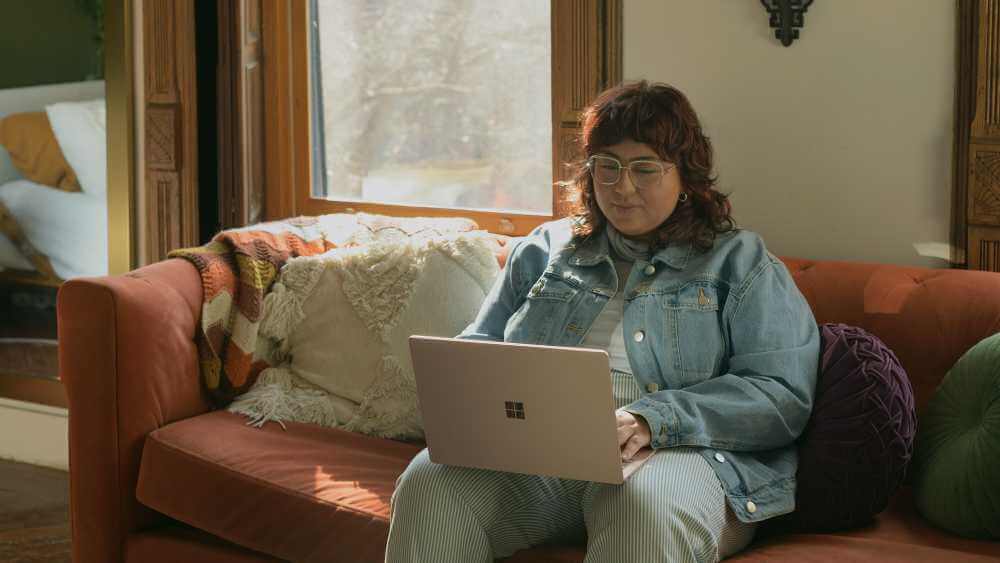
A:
{"points": [[167, 195]]}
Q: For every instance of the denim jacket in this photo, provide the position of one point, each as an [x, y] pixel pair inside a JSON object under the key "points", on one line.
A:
{"points": [[722, 342]]}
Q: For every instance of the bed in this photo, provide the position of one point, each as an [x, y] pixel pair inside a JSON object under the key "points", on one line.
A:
{"points": [[47, 234]]}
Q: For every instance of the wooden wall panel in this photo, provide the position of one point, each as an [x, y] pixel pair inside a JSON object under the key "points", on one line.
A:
{"points": [[241, 113], [965, 104], [984, 185], [987, 120], [251, 105], [170, 119], [586, 59]]}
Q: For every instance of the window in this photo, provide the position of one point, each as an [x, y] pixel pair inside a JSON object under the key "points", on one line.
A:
{"points": [[446, 105], [436, 107]]}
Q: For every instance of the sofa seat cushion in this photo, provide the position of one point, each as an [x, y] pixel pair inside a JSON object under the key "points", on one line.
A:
{"points": [[308, 493], [313, 493], [897, 535]]}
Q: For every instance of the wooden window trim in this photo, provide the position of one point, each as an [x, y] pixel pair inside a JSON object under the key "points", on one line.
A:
{"points": [[586, 58]]}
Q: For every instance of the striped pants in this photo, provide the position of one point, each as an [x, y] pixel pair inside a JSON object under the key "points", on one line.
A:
{"points": [[672, 509]]}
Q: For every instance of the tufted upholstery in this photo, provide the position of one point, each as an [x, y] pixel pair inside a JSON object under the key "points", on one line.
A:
{"points": [[927, 317]]}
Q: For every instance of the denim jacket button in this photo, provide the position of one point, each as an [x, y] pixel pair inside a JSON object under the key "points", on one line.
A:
{"points": [[720, 458], [652, 387], [639, 336], [649, 270], [751, 506]]}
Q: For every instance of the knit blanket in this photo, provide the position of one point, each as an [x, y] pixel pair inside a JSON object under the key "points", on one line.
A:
{"points": [[238, 268]]}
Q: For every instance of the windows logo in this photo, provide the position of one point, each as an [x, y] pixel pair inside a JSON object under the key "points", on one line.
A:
{"points": [[515, 409]]}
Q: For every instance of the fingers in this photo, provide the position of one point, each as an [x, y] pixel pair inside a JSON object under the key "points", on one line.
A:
{"points": [[623, 417], [624, 433], [634, 444]]}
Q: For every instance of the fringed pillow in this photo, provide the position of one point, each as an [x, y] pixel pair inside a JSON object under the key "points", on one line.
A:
{"points": [[336, 327]]}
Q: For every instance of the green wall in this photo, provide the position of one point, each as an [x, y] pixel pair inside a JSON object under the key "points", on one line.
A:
{"points": [[46, 42]]}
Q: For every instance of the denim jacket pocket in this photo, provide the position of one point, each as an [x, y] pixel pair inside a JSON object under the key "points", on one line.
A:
{"points": [[553, 287], [547, 303], [694, 330]]}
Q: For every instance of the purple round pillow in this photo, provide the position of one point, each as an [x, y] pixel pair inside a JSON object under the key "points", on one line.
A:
{"points": [[858, 442]]}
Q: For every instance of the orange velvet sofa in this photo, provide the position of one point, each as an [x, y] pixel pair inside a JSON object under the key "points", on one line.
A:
{"points": [[157, 476]]}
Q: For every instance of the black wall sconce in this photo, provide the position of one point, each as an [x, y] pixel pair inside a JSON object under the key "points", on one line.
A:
{"points": [[786, 17]]}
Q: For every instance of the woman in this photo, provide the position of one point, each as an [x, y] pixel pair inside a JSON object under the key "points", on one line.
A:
{"points": [[713, 352]]}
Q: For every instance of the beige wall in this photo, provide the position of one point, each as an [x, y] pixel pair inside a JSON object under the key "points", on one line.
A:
{"points": [[838, 147]]}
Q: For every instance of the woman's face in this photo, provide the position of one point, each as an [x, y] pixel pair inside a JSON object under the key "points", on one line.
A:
{"points": [[637, 213]]}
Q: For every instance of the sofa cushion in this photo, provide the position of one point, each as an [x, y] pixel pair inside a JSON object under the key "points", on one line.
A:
{"points": [[303, 494], [321, 494], [956, 475], [857, 445], [897, 535]]}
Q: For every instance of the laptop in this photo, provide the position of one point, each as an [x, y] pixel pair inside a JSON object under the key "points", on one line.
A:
{"points": [[540, 410]]}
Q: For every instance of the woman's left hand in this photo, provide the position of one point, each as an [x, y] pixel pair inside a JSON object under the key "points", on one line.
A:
{"points": [[633, 433]]}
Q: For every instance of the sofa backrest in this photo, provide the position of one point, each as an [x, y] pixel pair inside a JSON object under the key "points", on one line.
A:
{"points": [[928, 317]]}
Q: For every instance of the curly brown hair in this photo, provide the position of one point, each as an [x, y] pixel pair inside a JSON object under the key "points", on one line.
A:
{"points": [[660, 116]]}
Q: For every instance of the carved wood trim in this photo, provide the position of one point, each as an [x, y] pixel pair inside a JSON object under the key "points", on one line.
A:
{"points": [[984, 195], [226, 112], [162, 149], [170, 108], [987, 120], [965, 105], [984, 249], [158, 31], [241, 113]]}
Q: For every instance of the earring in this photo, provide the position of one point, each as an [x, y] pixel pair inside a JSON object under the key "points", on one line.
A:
{"points": [[683, 197]]}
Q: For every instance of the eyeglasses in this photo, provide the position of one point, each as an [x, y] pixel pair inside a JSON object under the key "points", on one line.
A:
{"points": [[645, 174]]}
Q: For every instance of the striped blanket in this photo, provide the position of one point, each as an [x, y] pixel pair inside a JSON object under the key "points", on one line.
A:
{"points": [[239, 266]]}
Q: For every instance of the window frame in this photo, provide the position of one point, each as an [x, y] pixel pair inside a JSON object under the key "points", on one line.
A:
{"points": [[586, 58]]}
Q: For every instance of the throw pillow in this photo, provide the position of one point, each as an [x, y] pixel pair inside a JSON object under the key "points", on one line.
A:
{"points": [[858, 442], [353, 229], [956, 473], [336, 328], [80, 129], [34, 151]]}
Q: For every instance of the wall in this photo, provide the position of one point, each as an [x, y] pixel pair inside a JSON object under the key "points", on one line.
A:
{"points": [[32, 433], [46, 42], [838, 147]]}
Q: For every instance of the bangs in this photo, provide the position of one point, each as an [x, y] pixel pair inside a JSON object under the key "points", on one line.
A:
{"points": [[635, 118]]}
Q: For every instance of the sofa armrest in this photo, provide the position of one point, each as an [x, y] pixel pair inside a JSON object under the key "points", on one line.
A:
{"points": [[129, 362]]}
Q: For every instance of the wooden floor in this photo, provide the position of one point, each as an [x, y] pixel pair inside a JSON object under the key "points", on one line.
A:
{"points": [[34, 513]]}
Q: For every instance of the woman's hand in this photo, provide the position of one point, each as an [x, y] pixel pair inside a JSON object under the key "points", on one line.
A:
{"points": [[633, 433]]}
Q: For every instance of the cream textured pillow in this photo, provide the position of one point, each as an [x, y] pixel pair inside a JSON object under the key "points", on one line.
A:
{"points": [[337, 326]]}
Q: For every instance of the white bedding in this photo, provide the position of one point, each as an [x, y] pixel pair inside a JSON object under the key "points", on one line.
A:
{"points": [[10, 257], [68, 227]]}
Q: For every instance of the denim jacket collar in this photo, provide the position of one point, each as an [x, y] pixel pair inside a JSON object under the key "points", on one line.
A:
{"points": [[595, 249]]}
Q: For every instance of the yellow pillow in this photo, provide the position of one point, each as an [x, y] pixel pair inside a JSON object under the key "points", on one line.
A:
{"points": [[33, 149]]}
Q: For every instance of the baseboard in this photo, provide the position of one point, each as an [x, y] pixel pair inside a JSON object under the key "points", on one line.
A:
{"points": [[33, 433]]}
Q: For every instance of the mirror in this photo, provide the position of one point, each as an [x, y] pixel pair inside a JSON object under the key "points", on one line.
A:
{"points": [[58, 195]]}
